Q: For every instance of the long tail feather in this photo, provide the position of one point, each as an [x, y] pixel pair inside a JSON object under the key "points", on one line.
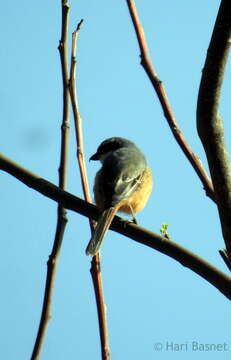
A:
{"points": [[102, 226]]}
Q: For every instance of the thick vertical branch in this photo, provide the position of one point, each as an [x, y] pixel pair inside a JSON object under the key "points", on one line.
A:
{"points": [[95, 264], [162, 96], [209, 121], [63, 50], [61, 212]]}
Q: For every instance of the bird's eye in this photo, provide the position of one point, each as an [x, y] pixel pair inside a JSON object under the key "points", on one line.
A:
{"points": [[126, 178]]}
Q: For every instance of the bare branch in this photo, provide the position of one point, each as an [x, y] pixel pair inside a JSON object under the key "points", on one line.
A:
{"points": [[213, 275], [101, 306], [225, 257], [209, 122], [61, 212], [77, 117], [161, 93], [95, 264]]}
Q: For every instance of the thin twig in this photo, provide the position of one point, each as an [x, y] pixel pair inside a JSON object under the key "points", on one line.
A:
{"points": [[161, 93], [101, 306], [95, 264], [77, 116], [61, 212], [213, 275], [209, 122]]}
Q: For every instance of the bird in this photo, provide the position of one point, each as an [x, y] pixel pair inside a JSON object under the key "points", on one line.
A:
{"points": [[123, 183]]}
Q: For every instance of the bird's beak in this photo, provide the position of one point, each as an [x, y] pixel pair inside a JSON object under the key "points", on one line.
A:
{"points": [[94, 157]]}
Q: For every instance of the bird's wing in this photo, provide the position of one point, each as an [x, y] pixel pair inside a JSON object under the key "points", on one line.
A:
{"points": [[122, 172]]}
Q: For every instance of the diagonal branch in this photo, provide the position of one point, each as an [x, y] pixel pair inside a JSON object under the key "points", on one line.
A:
{"points": [[95, 264], [213, 275], [209, 122], [61, 212], [161, 93]]}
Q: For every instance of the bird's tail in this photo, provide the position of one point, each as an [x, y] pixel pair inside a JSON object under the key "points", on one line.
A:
{"points": [[103, 225]]}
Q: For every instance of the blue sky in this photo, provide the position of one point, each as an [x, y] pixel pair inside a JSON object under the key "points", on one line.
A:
{"points": [[150, 297]]}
